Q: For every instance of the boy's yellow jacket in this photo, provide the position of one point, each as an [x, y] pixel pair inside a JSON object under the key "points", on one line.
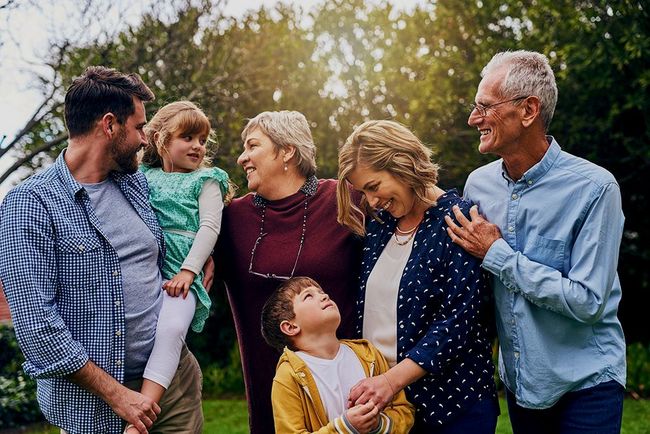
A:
{"points": [[297, 407]]}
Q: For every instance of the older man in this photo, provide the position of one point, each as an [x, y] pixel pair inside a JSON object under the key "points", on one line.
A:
{"points": [[552, 246], [81, 251]]}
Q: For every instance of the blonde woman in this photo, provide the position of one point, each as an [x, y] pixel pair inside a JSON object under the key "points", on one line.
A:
{"points": [[423, 301]]}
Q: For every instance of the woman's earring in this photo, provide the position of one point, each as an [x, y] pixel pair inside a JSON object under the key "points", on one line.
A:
{"points": [[286, 167]]}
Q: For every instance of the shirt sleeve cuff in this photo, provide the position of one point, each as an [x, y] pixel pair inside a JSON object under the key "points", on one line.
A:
{"points": [[344, 426], [61, 368], [496, 256], [385, 425]]}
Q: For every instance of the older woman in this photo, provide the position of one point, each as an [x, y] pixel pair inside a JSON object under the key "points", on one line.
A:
{"points": [[424, 302], [286, 227]]}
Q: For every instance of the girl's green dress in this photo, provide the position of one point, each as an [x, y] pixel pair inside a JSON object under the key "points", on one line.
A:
{"points": [[175, 199]]}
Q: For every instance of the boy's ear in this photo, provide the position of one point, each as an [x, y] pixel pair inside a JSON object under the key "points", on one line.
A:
{"points": [[289, 328]]}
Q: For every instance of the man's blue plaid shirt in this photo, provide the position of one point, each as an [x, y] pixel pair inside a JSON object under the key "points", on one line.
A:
{"points": [[63, 283]]}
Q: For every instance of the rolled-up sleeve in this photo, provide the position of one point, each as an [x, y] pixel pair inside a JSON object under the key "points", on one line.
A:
{"points": [[28, 271]]}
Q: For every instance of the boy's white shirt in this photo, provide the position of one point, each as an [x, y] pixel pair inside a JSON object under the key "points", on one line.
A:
{"points": [[334, 378]]}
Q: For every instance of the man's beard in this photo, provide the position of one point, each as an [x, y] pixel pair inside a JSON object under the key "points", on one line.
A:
{"points": [[125, 159]]}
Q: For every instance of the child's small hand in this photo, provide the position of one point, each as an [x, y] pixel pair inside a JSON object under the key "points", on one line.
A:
{"points": [[179, 284], [364, 417]]}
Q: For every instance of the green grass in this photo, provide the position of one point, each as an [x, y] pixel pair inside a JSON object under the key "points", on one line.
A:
{"points": [[231, 417], [225, 417]]}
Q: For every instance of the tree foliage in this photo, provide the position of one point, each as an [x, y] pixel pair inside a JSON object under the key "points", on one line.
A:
{"points": [[346, 61]]}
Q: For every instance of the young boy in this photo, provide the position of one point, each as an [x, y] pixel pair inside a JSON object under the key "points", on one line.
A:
{"points": [[316, 371]]}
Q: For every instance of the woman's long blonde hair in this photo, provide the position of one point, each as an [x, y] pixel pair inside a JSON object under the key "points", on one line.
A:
{"points": [[383, 145]]}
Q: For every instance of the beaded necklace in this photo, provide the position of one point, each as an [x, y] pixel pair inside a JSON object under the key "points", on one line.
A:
{"points": [[309, 189]]}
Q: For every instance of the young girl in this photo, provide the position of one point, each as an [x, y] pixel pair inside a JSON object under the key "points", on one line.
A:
{"points": [[188, 199]]}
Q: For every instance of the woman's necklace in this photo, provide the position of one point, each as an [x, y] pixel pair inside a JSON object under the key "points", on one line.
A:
{"points": [[406, 232], [406, 241], [398, 233], [308, 189], [409, 233]]}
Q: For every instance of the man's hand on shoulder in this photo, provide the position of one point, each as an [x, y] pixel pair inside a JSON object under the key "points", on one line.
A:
{"points": [[475, 234]]}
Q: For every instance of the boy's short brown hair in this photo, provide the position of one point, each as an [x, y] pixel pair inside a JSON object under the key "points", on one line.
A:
{"points": [[279, 307]]}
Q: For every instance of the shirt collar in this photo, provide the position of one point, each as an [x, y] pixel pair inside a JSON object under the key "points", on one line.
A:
{"points": [[71, 184], [536, 172], [308, 189], [74, 186]]}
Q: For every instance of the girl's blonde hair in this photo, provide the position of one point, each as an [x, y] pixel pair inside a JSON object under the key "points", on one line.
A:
{"points": [[383, 145], [178, 118]]}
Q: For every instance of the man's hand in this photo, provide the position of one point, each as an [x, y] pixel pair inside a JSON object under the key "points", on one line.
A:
{"points": [[208, 274], [374, 389], [129, 405], [364, 417], [136, 409], [475, 234], [179, 284]]}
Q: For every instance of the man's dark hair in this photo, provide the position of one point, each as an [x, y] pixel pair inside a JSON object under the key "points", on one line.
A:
{"points": [[98, 91], [279, 307]]}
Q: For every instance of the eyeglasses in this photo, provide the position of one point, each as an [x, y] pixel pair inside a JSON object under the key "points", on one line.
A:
{"points": [[482, 109], [263, 234]]}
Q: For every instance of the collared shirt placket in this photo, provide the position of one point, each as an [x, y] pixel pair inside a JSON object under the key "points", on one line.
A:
{"points": [[516, 191], [114, 296]]}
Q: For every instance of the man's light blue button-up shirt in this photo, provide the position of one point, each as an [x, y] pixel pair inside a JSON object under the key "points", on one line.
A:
{"points": [[555, 281]]}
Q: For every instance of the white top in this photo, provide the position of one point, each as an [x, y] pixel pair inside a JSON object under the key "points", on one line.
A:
{"points": [[334, 378], [210, 210], [380, 306]]}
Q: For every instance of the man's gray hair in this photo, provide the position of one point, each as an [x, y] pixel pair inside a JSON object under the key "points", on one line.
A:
{"points": [[528, 74], [287, 128]]}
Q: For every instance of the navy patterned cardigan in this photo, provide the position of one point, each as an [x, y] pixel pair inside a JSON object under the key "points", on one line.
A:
{"points": [[444, 315]]}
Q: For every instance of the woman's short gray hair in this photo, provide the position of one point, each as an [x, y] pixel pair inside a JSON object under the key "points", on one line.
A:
{"points": [[287, 128], [528, 74]]}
